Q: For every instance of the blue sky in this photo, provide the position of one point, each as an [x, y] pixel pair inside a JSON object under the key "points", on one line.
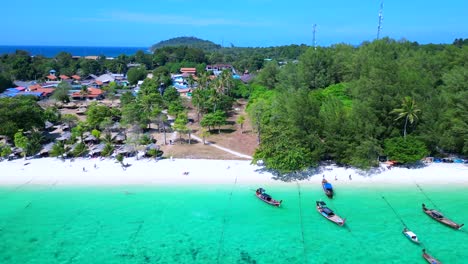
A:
{"points": [[258, 23]]}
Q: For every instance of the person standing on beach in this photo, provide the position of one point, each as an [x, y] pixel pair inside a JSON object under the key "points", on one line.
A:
{"points": [[350, 177], [336, 178]]}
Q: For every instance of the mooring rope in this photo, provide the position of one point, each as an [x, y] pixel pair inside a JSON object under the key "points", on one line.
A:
{"points": [[221, 239], [302, 222], [423, 192], [395, 212]]}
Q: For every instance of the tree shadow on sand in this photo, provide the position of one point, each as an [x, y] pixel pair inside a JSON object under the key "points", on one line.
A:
{"points": [[292, 176]]}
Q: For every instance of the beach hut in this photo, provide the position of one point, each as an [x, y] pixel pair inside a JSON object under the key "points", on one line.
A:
{"points": [[119, 138], [48, 126], [45, 151], [126, 151], [152, 147], [64, 136], [16, 153], [97, 150], [90, 139]]}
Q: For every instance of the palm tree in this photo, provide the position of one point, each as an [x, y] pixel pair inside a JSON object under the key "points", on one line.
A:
{"points": [[409, 110], [83, 91]]}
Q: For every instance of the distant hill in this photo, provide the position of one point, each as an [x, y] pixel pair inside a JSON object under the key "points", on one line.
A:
{"points": [[191, 42]]}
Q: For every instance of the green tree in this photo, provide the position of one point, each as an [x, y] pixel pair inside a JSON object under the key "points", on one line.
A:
{"points": [[241, 120], [80, 150], [96, 114], [180, 124], [119, 158], [19, 113], [268, 76], [21, 141], [34, 145], [108, 150], [5, 151], [127, 98], [405, 150], [136, 74], [70, 119], [58, 149], [96, 133], [61, 92], [409, 111], [52, 114]]}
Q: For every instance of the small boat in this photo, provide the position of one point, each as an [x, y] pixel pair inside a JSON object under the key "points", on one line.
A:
{"points": [[262, 195], [440, 217], [410, 235], [429, 258], [327, 188], [329, 214]]}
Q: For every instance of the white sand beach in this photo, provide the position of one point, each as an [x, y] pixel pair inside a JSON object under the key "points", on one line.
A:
{"points": [[53, 171]]}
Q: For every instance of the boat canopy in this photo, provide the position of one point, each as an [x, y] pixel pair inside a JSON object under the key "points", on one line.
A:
{"points": [[328, 186], [437, 214], [327, 211]]}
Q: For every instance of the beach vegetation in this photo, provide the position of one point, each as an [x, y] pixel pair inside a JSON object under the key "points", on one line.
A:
{"points": [[204, 133], [80, 150], [180, 125], [79, 130], [409, 111], [21, 141], [145, 139], [405, 150], [119, 157], [5, 151], [52, 114], [61, 93], [136, 74], [58, 149], [17, 113], [154, 153], [35, 140], [96, 133], [240, 121], [96, 114], [70, 119], [352, 104], [5, 82], [127, 98], [107, 150]]}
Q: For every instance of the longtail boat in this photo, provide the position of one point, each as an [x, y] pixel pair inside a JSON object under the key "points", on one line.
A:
{"points": [[262, 195], [329, 214], [327, 188], [436, 215], [410, 235], [429, 258]]}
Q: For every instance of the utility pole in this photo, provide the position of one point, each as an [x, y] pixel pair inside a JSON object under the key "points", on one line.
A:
{"points": [[315, 42], [379, 27]]}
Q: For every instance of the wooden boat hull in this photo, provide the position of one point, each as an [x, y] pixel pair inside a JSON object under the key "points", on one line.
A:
{"points": [[440, 218], [272, 202], [429, 258], [333, 218]]}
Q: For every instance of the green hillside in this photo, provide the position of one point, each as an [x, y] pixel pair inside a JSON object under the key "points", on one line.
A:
{"points": [[191, 42]]}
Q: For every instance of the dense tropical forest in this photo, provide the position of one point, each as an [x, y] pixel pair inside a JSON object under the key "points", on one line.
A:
{"points": [[343, 103]]}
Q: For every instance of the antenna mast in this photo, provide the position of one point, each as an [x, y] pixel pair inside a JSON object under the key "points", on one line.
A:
{"points": [[315, 42], [379, 27]]}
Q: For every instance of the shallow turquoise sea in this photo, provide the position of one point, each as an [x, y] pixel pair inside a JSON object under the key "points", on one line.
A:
{"points": [[226, 224]]}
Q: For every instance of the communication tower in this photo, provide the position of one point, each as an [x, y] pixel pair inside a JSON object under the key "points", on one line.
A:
{"points": [[379, 27]]}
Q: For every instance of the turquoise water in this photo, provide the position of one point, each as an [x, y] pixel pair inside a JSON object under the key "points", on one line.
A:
{"points": [[225, 224]]}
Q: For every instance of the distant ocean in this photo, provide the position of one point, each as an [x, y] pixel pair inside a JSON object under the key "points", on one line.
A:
{"points": [[52, 51]]}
